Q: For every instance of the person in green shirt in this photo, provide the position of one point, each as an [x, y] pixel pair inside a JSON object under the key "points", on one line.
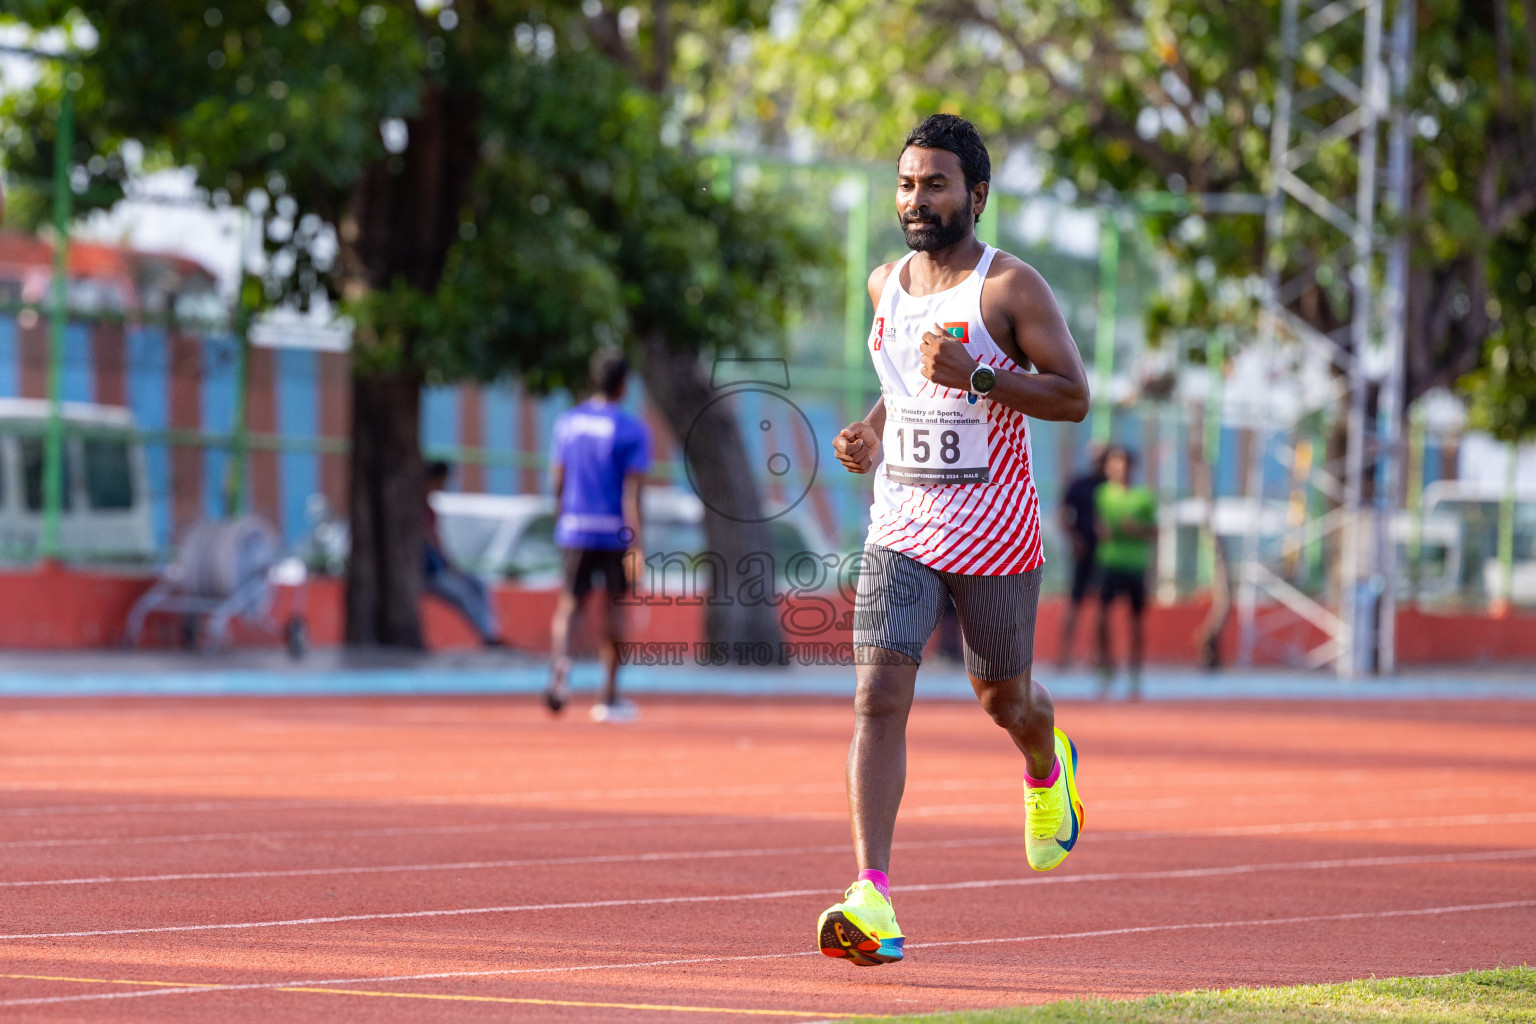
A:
{"points": [[1127, 524]]}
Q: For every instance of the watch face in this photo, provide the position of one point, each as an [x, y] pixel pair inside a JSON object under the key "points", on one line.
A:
{"points": [[983, 378]]}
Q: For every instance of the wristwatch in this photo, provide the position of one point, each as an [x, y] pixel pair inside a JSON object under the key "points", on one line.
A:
{"points": [[983, 378]]}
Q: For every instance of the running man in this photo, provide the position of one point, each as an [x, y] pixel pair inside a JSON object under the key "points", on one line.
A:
{"points": [[1127, 517], [600, 457], [958, 327], [1079, 522]]}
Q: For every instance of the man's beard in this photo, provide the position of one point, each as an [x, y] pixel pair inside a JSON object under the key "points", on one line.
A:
{"points": [[933, 233]]}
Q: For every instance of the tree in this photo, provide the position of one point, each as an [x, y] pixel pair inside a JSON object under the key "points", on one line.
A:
{"points": [[1176, 95], [480, 187]]}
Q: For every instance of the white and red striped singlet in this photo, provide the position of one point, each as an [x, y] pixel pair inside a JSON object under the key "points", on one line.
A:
{"points": [[978, 529]]}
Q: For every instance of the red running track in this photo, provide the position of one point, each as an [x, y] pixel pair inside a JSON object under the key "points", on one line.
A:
{"points": [[465, 859]]}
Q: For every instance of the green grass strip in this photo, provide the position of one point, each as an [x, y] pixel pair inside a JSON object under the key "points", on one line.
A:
{"points": [[1506, 995]]}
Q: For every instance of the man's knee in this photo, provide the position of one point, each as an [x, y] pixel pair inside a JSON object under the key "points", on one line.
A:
{"points": [[1011, 703], [884, 682]]}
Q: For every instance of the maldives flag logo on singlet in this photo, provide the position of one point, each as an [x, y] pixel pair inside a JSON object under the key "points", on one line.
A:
{"points": [[958, 330], [879, 331]]}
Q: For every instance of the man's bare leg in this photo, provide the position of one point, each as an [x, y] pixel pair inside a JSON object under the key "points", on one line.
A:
{"points": [[1138, 650], [613, 622], [1025, 711], [1068, 634], [1106, 659], [567, 619], [877, 758]]}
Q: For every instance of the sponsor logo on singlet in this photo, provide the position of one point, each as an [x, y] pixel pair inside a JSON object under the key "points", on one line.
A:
{"points": [[879, 331]]}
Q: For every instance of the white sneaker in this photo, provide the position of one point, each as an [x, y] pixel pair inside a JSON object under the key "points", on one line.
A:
{"points": [[619, 712]]}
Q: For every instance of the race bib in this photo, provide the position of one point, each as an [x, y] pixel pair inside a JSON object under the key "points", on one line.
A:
{"points": [[936, 441]]}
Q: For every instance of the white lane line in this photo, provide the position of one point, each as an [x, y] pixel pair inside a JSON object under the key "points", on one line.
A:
{"points": [[1034, 880], [522, 796], [403, 830], [638, 858], [1363, 915], [1418, 793], [1270, 922], [1285, 828], [596, 794], [1272, 829], [990, 782], [476, 865]]}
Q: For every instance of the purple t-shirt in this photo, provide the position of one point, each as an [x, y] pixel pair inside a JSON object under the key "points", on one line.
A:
{"points": [[598, 443]]}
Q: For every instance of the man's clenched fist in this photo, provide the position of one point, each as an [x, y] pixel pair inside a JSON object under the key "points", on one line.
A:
{"points": [[946, 360], [857, 447]]}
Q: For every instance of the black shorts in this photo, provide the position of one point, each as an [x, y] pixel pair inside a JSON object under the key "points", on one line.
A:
{"points": [[900, 600], [1132, 584], [581, 563], [1083, 574]]}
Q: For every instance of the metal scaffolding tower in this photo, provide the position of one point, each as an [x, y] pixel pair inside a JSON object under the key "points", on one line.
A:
{"points": [[1330, 209]]}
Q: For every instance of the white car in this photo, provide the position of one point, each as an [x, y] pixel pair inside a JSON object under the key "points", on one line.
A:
{"points": [[513, 536], [105, 508]]}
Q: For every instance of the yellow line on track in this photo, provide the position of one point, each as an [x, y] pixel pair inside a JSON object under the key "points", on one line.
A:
{"points": [[814, 1014]]}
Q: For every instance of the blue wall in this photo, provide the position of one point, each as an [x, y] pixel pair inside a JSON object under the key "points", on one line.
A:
{"points": [[76, 381], [298, 416], [148, 367], [498, 409], [10, 359]]}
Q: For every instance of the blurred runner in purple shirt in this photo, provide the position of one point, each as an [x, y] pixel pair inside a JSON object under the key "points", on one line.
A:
{"points": [[599, 459]]}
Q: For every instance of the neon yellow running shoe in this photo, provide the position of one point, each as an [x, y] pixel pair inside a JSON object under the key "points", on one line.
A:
{"points": [[1053, 818], [862, 928]]}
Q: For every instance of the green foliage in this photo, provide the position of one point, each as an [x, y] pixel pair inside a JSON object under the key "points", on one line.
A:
{"points": [[580, 226], [1169, 96], [27, 207], [1177, 95], [576, 183], [1503, 389]]}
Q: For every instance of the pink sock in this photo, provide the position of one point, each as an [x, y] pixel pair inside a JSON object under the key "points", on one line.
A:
{"points": [[1048, 781], [879, 878]]}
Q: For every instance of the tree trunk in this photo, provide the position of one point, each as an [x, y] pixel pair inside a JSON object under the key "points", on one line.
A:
{"points": [[677, 383], [384, 571], [399, 225]]}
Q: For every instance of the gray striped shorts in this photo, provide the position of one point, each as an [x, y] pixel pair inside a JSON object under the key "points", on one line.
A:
{"points": [[899, 602]]}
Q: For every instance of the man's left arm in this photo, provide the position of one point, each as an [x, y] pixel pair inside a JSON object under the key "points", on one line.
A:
{"points": [[636, 465], [1018, 296]]}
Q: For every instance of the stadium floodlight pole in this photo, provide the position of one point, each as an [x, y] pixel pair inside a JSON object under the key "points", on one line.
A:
{"points": [[1355, 634], [1104, 323], [58, 313], [855, 294], [1206, 561], [1505, 600], [1394, 333], [1274, 264], [235, 491], [987, 225]]}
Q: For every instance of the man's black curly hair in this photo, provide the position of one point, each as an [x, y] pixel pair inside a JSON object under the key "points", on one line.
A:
{"points": [[960, 137]]}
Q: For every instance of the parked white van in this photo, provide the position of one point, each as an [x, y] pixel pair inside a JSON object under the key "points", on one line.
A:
{"points": [[105, 514]]}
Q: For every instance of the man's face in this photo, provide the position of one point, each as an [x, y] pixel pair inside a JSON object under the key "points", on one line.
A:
{"points": [[935, 208], [1118, 468]]}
